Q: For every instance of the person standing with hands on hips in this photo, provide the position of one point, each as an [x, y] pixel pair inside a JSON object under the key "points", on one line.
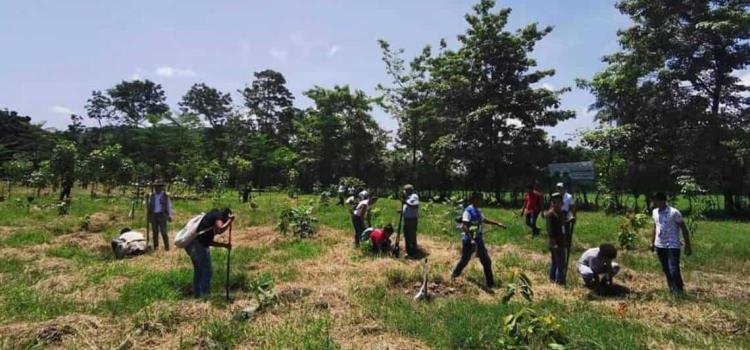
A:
{"points": [[472, 239], [668, 223]]}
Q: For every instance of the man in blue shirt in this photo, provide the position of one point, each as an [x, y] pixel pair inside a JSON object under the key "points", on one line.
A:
{"points": [[472, 238]]}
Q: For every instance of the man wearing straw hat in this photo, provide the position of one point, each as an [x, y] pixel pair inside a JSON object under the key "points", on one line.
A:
{"points": [[159, 213]]}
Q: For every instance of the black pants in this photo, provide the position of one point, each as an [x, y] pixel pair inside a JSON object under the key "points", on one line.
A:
{"points": [[410, 235], [359, 226], [467, 249], [159, 226]]}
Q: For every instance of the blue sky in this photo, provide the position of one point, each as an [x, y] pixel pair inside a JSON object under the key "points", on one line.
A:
{"points": [[56, 52]]}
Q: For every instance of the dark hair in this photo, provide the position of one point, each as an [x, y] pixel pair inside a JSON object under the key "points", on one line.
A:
{"points": [[225, 213], [660, 196], [388, 228], [125, 229], [608, 251], [476, 195], [530, 187]]}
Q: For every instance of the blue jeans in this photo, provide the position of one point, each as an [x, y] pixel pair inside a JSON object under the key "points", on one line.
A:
{"points": [[670, 264], [558, 266], [531, 222], [201, 258], [467, 249]]}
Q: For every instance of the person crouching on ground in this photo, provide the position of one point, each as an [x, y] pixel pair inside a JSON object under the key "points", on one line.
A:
{"points": [[359, 214], [381, 239], [215, 222], [472, 239], [597, 268], [128, 243], [558, 246]]}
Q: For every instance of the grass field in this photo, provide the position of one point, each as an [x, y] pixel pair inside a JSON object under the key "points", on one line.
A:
{"points": [[61, 288]]}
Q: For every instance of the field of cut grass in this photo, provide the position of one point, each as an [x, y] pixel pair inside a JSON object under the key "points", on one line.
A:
{"points": [[60, 287]]}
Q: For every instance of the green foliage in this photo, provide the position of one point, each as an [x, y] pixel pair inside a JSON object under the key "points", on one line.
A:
{"points": [[26, 238], [299, 220], [520, 283], [629, 228], [527, 328], [262, 290]]}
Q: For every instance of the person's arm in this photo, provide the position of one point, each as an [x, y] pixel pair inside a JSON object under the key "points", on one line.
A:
{"points": [[686, 234], [523, 206], [496, 223], [219, 228], [169, 207], [466, 230], [653, 238]]}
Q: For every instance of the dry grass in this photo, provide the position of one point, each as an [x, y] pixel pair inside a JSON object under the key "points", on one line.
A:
{"points": [[324, 286]]}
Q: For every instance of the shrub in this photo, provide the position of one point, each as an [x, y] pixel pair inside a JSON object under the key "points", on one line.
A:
{"points": [[526, 328], [300, 221], [630, 226]]}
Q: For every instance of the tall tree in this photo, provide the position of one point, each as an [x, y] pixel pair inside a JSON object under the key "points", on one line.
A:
{"points": [[99, 107], [133, 101], [208, 103], [269, 103]]}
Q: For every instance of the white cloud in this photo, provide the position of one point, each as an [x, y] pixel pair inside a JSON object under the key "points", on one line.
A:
{"points": [[745, 79], [333, 50], [61, 110], [280, 55], [172, 72], [548, 87]]}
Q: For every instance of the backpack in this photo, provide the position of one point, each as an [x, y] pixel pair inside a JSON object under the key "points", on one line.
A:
{"points": [[188, 233]]}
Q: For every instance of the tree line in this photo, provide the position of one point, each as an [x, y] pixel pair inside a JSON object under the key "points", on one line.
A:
{"points": [[670, 108]]}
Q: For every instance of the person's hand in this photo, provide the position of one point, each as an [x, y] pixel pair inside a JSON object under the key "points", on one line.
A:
{"points": [[688, 250], [228, 246], [652, 247]]}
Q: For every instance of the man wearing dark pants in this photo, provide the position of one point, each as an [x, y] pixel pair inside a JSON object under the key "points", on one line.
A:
{"points": [[159, 212], [532, 207], [668, 223], [359, 215], [472, 238], [558, 246], [410, 210]]}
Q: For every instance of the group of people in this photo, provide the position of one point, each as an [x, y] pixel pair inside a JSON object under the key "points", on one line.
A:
{"points": [[596, 266]]}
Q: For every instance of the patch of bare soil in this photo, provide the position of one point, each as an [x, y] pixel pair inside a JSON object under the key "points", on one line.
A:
{"points": [[98, 222]]}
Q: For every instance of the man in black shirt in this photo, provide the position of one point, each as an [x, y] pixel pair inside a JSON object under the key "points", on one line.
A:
{"points": [[213, 223]]}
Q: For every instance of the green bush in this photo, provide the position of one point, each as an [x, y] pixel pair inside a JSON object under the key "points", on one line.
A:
{"points": [[299, 220]]}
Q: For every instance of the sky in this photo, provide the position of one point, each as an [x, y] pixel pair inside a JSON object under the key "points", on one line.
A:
{"points": [[55, 53]]}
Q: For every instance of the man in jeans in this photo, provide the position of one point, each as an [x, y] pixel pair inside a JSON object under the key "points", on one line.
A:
{"points": [[532, 207], [472, 240], [159, 212], [668, 223], [411, 214], [558, 246]]}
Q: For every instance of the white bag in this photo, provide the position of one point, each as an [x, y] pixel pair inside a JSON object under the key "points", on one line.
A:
{"points": [[189, 232]]}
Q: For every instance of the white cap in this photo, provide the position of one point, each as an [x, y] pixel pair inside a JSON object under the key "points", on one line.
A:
{"points": [[560, 184]]}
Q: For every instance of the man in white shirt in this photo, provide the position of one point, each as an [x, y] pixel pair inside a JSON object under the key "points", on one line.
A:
{"points": [[410, 211], [568, 201], [668, 223], [159, 212], [359, 214], [596, 266]]}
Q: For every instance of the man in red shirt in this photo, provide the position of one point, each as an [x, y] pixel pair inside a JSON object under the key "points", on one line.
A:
{"points": [[381, 238], [532, 207]]}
